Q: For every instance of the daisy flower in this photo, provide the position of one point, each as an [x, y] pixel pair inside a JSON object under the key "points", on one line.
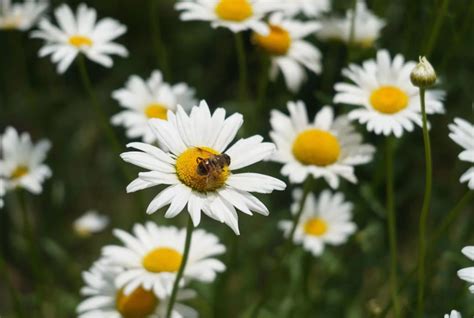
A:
{"points": [[367, 27], [89, 223], [20, 16], [152, 257], [310, 8], [326, 220], [236, 15], [149, 99], [387, 101], [21, 163], [289, 52], [199, 168], [327, 148], [105, 300], [80, 33], [467, 274], [462, 133], [453, 314], [2, 192]]}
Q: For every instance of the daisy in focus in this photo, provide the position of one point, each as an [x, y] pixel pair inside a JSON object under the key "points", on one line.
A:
{"points": [[326, 220], [199, 169], [387, 101], [453, 314], [462, 133], [467, 274], [235, 15], [21, 164], [367, 27], [80, 34], [20, 16], [149, 99], [289, 52], [90, 223], [310, 8], [105, 300], [152, 257], [326, 148]]}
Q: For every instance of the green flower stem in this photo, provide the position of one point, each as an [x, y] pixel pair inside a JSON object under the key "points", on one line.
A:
{"points": [[242, 60], [15, 297], [392, 225], [352, 30], [442, 12], [157, 40], [187, 245], [425, 209]]}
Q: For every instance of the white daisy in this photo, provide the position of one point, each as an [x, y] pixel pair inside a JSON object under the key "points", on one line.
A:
{"points": [[20, 16], [90, 222], [467, 273], [289, 52], [327, 148], [149, 99], [236, 15], [453, 314], [105, 300], [2, 191], [77, 34], [310, 8], [153, 256], [326, 220], [21, 163], [388, 102], [462, 133], [199, 169], [367, 27]]}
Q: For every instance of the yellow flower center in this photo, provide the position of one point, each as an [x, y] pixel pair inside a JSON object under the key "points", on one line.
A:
{"points": [[139, 304], [316, 147], [315, 227], [11, 23], [156, 110], [234, 10], [19, 172], [79, 41], [277, 42], [188, 169], [162, 259], [389, 99]]}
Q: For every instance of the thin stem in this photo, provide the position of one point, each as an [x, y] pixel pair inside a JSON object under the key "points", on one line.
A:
{"points": [[352, 31], [242, 59], [187, 245], [436, 27], [425, 209], [15, 297], [157, 39], [392, 226], [296, 219]]}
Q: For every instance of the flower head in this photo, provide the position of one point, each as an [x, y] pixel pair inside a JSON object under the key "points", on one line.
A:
{"points": [[387, 101], [289, 52], [80, 34], [89, 223], [467, 274], [149, 99], [20, 16], [453, 314], [199, 169], [423, 75], [152, 257], [21, 163], [326, 148], [326, 220], [462, 133]]}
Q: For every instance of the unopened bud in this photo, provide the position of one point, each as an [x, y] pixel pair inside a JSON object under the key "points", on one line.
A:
{"points": [[423, 75]]}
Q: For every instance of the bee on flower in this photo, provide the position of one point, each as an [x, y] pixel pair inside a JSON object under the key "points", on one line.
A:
{"points": [[21, 16]]}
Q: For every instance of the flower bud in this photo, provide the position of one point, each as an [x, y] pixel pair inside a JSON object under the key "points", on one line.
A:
{"points": [[423, 75]]}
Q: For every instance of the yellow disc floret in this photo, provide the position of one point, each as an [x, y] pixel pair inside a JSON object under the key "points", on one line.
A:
{"points": [[19, 172], [277, 42], [80, 41], [316, 147], [139, 304], [234, 10], [389, 99], [315, 227], [187, 170], [156, 110], [162, 259]]}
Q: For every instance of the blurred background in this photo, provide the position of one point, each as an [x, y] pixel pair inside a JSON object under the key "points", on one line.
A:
{"points": [[347, 281]]}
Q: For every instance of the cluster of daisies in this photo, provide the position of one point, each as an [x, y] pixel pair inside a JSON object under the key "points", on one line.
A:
{"points": [[189, 150]]}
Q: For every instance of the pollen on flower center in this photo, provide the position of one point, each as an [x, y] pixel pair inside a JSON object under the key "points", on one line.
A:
{"points": [[80, 41], [315, 227], [234, 10], [389, 99], [139, 304], [316, 147], [277, 42], [156, 110], [162, 259], [193, 171], [19, 172]]}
